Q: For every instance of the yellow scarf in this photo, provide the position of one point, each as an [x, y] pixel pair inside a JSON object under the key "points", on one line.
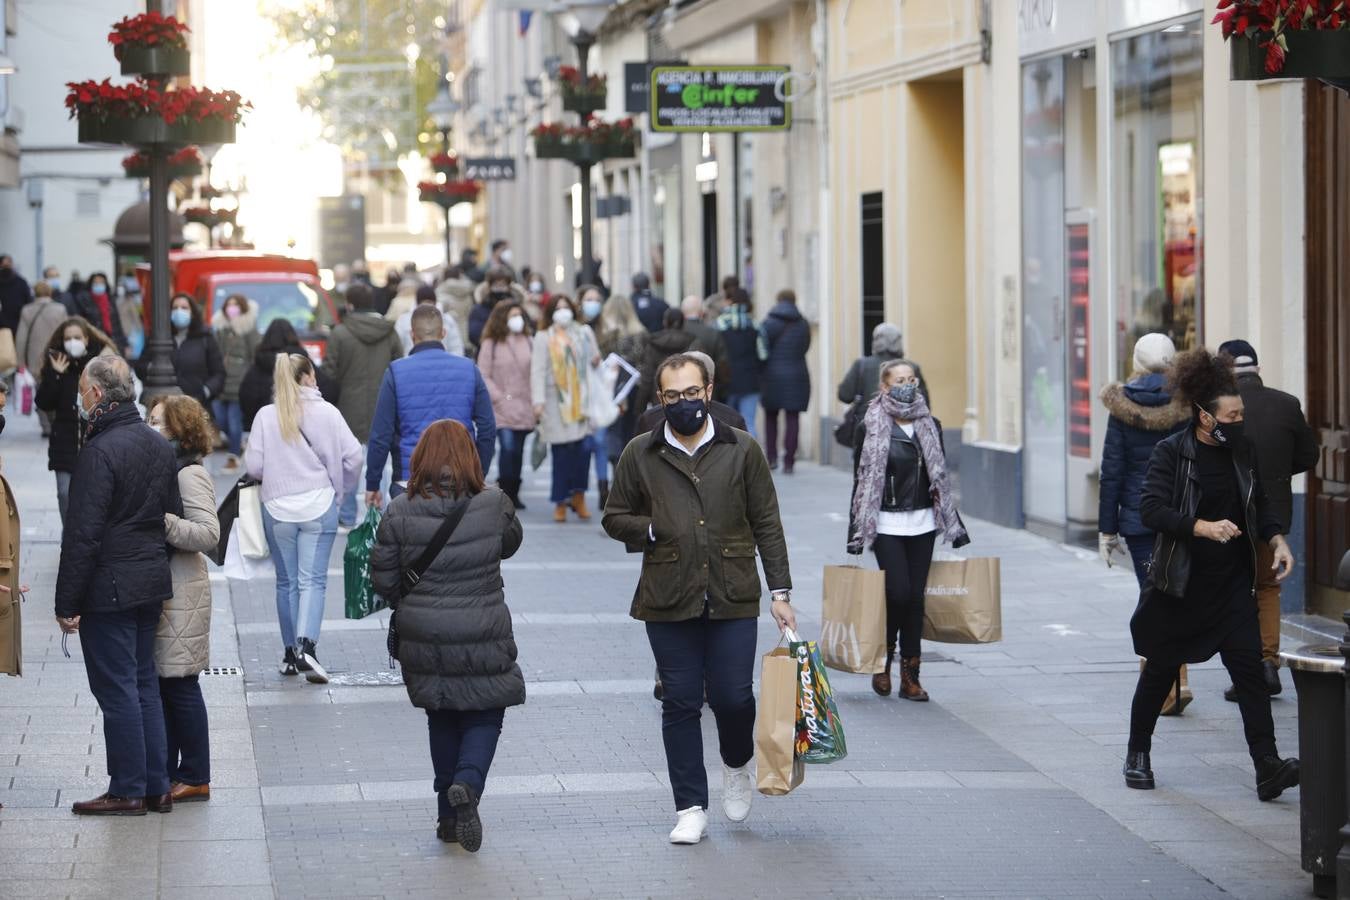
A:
{"points": [[562, 353]]}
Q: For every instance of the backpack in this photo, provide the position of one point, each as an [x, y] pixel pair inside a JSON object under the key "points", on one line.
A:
{"points": [[846, 431]]}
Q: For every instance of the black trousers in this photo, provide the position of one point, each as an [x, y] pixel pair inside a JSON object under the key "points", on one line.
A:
{"points": [[1243, 664], [187, 730], [906, 561]]}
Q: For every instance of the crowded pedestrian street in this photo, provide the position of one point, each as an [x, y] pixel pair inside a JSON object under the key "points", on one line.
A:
{"points": [[1005, 785]]}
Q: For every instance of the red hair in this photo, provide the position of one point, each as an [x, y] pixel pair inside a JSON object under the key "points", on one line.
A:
{"points": [[445, 462]]}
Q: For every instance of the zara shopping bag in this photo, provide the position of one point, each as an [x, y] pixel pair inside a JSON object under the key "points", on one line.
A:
{"points": [[820, 733], [963, 602], [853, 620], [777, 768]]}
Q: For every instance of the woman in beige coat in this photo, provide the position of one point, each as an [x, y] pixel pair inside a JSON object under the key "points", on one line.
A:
{"points": [[183, 640]]}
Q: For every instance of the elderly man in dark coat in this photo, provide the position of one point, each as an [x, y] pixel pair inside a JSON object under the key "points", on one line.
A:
{"points": [[114, 577]]}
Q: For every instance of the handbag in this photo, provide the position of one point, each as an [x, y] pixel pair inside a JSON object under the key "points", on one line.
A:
{"points": [[847, 431], [412, 575], [539, 451], [963, 601]]}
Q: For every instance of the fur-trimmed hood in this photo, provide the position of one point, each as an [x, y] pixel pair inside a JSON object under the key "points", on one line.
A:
{"points": [[1145, 404]]}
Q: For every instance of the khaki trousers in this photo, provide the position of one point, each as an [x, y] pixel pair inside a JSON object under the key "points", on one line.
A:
{"points": [[1267, 602]]}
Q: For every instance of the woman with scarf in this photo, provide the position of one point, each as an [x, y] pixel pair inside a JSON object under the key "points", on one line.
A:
{"points": [[902, 502], [564, 353]]}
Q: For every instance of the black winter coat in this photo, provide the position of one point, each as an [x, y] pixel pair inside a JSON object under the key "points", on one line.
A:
{"points": [[1142, 413], [651, 310], [710, 341], [81, 303], [786, 379], [1172, 496], [57, 395], [659, 346], [455, 641], [743, 355], [1284, 442], [14, 296], [114, 552], [199, 366], [255, 391]]}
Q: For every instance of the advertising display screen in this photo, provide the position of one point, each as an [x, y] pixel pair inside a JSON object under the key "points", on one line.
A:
{"points": [[718, 98]]}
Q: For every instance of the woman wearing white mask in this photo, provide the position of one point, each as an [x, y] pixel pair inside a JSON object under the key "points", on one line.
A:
{"points": [[68, 352], [504, 359], [559, 373]]}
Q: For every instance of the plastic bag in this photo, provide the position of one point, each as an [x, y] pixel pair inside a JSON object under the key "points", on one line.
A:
{"points": [[361, 597], [27, 390], [820, 732]]}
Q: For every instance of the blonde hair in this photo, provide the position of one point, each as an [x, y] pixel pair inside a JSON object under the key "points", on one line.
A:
{"points": [[286, 375], [618, 317]]}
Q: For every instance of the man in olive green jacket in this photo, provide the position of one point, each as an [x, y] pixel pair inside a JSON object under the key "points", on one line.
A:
{"points": [[696, 498], [359, 353]]}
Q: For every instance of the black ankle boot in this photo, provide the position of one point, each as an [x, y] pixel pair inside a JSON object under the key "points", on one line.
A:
{"points": [[1138, 771], [1274, 776], [511, 488]]}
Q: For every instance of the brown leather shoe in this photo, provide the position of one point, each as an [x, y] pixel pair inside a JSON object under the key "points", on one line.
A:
{"points": [[560, 512], [910, 689], [110, 805], [189, 793], [881, 683], [161, 804], [579, 506]]}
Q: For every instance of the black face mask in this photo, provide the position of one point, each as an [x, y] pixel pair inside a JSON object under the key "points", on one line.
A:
{"points": [[2, 422], [687, 417], [1227, 434]]}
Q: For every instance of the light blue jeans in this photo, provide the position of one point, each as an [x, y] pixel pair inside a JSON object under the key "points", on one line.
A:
{"points": [[598, 444], [300, 552], [748, 406]]}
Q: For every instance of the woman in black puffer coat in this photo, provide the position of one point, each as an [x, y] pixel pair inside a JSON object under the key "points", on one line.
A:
{"points": [[455, 641], [255, 390], [196, 355], [786, 380]]}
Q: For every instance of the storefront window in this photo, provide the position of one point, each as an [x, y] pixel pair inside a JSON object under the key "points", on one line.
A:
{"points": [[1157, 186]]}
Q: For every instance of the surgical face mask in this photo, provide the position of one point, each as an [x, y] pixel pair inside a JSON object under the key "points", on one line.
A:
{"points": [[591, 308], [516, 324], [536, 287], [75, 348], [505, 256], [98, 287], [180, 318], [563, 316], [687, 417], [904, 393], [232, 312], [55, 283], [80, 408]]}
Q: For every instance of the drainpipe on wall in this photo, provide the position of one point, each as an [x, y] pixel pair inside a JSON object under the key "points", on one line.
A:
{"points": [[824, 276]]}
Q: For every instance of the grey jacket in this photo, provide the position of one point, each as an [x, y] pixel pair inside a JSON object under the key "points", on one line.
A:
{"points": [[455, 640], [359, 352], [183, 638]]}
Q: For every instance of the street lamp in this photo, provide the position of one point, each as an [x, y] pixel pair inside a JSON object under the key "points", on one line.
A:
{"points": [[581, 19], [442, 109]]}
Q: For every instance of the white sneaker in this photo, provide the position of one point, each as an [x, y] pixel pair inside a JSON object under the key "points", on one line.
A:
{"points": [[737, 792], [692, 825]]}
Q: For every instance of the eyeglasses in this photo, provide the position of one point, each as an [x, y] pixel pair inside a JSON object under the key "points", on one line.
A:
{"points": [[693, 393]]}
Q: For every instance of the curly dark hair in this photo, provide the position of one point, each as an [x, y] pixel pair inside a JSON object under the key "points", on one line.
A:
{"points": [[496, 329], [1201, 378], [187, 420]]}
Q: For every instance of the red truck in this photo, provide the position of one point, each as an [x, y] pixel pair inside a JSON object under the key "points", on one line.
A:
{"points": [[281, 287]]}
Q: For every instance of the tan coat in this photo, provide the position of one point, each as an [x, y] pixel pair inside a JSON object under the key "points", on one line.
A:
{"points": [[11, 650], [183, 640]]}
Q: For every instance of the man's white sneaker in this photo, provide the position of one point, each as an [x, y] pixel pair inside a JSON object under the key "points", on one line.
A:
{"points": [[692, 825], [737, 792]]}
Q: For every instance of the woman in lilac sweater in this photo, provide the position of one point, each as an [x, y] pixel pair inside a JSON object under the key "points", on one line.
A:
{"points": [[306, 457]]}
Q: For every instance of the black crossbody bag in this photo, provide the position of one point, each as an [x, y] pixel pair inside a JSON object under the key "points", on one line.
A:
{"points": [[412, 575]]}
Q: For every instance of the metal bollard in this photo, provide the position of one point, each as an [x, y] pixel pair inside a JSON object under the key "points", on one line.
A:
{"points": [[1320, 683]]}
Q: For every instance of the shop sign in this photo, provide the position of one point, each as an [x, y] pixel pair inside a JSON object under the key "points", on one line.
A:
{"points": [[1129, 14], [490, 168], [1045, 25], [719, 98]]}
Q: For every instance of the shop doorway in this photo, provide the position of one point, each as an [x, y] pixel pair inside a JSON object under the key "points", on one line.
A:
{"points": [[710, 267], [1327, 186], [873, 267]]}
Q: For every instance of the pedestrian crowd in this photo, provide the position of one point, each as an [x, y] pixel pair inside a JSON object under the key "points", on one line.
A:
{"points": [[421, 387]]}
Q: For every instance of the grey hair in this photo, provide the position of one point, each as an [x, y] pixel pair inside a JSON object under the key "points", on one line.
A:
{"points": [[112, 376], [887, 340]]}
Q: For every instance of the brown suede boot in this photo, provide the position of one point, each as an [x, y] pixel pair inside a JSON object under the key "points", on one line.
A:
{"points": [[560, 512], [881, 682], [579, 506], [910, 689]]}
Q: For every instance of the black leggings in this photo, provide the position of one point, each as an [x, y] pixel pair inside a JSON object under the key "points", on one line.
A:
{"points": [[1243, 664], [905, 560]]}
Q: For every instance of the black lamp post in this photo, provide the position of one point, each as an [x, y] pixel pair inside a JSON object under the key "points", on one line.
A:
{"points": [[442, 109], [160, 379], [581, 20]]}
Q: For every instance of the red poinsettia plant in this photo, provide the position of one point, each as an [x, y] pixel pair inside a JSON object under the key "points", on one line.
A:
{"points": [[444, 162], [150, 29], [1269, 21], [570, 77], [594, 139], [104, 100], [458, 190], [189, 159], [205, 215]]}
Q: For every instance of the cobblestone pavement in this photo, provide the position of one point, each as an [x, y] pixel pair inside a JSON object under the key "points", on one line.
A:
{"points": [[1007, 785]]}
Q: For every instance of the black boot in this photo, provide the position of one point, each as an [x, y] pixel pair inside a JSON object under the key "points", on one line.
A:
{"points": [[1274, 776], [511, 488], [1272, 673], [1138, 771], [468, 827], [604, 494]]}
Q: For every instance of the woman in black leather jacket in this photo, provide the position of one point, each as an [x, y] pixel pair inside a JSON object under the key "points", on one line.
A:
{"points": [[901, 503], [1203, 497]]}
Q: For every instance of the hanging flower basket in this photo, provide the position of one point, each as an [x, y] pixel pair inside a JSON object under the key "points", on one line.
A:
{"points": [[548, 141], [186, 163], [1286, 38], [580, 96], [203, 215], [591, 144], [448, 193], [445, 163], [140, 113], [151, 44]]}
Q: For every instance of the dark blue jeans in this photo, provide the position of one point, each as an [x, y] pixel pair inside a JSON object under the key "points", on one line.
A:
{"points": [[1141, 552], [187, 732], [229, 417], [463, 743], [512, 457], [571, 470], [119, 657], [718, 653]]}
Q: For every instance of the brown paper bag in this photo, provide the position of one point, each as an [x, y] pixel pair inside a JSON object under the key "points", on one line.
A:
{"points": [[853, 620], [778, 770], [963, 602]]}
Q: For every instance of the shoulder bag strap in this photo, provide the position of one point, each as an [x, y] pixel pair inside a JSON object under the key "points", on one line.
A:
{"points": [[413, 574]]}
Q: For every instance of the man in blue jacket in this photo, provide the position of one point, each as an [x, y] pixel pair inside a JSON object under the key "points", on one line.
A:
{"points": [[427, 385], [113, 580]]}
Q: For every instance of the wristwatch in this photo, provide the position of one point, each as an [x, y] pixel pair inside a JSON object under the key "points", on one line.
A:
{"points": [[785, 596]]}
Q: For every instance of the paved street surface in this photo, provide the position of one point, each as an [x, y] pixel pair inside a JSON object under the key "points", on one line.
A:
{"points": [[1007, 785]]}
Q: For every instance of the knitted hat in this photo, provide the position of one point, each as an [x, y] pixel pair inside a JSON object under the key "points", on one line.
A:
{"points": [[1153, 353], [1243, 353]]}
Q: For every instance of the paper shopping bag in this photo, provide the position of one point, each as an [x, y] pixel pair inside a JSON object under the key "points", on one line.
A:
{"points": [[853, 620], [359, 592], [778, 770], [820, 733], [249, 525], [962, 603]]}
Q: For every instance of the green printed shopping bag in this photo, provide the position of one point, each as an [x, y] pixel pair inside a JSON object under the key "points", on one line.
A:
{"points": [[820, 732], [361, 597]]}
